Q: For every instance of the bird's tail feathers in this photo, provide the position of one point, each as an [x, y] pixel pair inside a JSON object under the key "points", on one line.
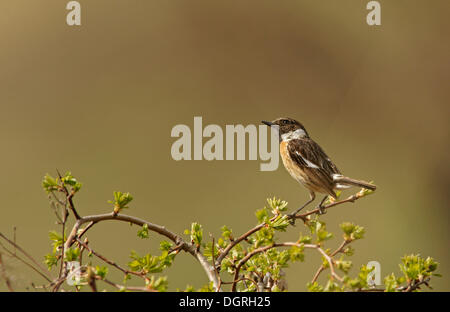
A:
{"points": [[346, 181]]}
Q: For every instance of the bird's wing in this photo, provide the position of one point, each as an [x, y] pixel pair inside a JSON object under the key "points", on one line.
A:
{"points": [[313, 160]]}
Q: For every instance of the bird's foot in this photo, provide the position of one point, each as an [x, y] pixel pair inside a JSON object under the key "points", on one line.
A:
{"points": [[291, 218], [322, 210]]}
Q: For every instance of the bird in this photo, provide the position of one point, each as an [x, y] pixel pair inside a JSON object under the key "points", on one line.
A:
{"points": [[308, 164]]}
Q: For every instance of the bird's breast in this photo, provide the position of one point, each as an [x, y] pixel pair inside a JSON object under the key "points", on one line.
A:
{"points": [[293, 169]]}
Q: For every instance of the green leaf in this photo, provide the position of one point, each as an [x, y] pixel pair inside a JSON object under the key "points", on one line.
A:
{"points": [[57, 240], [207, 288], [72, 254], [226, 233], [296, 253], [165, 246], [391, 283], [352, 231], [280, 223], [196, 233], [189, 288], [349, 251], [414, 267], [101, 271], [277, 205], [323, 235], [360, 282], [160, 284], [332, 286], [262, 215], [143, 232], [319, 228], [50, 260], [305, 239], [121, 200], [149, 263], [49, 183], [208, 251], [314, 287], [343, 265]]}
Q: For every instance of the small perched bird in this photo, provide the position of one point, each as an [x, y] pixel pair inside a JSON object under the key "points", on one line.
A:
{"points": [[307, 163]]}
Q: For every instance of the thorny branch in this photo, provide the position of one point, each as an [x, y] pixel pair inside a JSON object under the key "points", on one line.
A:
{"points": [[4, 276], [36, 267], [286, 244], [322, 267], [83, 224], [211, 270], [188, 247]]}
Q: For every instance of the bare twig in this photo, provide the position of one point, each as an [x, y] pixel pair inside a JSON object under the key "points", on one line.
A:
{"points": [[14, 239], [338, 250], [42, 269], [413, 285], [350, 199], [63, 224], [233, 243], [3, 274], [69, 196], [215, 268], [26, 263], [110, 262], [286, 244], [122, 287], [86, 229], [209, 269]]}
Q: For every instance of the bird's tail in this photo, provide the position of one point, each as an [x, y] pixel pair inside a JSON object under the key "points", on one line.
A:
{"points": [[346, 181]]}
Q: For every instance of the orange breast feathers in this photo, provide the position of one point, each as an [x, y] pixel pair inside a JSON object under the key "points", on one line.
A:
{"points": [[312, 183], [293, 169]]}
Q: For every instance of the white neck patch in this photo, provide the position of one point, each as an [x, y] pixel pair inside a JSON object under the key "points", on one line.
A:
{"points": [[293, 135]]}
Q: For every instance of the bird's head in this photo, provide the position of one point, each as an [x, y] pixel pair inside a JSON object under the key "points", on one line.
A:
{"points": [[289, 128]]}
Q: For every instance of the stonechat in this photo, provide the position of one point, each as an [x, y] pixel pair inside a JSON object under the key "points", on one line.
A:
{"points": [[308, 164]]}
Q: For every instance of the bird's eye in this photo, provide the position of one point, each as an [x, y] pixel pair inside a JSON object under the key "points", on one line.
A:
{"points": [[285, 122]]}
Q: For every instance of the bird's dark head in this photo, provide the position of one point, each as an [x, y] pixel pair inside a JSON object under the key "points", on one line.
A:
{"points": [[289, 128]]}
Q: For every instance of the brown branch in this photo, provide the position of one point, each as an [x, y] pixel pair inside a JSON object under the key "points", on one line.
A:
{"points": [[303, 216], [63, 223], [91, 280], [69, 197], [215, 268], [3, 274], [86, 229], [71, 205], [338, 250], [350, 199], [319, 270], [330, 264], [265, 248], [26, 255], [241, 238], [125, 271], [209, 269], [241, 279], [413, 285], [26, 263], [122, 287], [14, 239]]}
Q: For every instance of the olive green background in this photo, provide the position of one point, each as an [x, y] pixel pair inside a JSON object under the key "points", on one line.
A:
{"points": [[100, 100]]}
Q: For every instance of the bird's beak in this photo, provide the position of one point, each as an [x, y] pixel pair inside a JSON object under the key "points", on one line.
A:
{"points": [[268, 123]]}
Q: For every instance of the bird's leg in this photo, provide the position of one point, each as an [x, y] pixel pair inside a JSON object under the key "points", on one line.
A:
{"points": [[291, 216], [321, 210]]}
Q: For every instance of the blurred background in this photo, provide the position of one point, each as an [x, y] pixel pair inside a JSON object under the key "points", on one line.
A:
{"points": [[101, 99]]}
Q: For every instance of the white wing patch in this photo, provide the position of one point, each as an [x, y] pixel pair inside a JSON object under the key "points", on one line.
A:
{"points": [[342, 186], [308, 163]]}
